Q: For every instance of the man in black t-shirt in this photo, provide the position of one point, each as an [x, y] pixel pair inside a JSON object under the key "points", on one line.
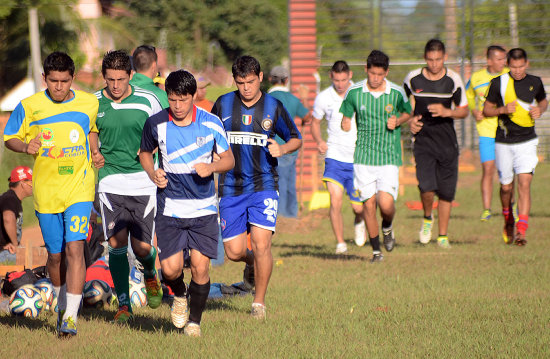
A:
{"points": [[11, 211]]}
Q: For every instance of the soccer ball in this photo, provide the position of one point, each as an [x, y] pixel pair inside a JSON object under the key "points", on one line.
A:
{"points": [[96, 293], [53, 307], [138, 294], [45, 287], [26, 301]]}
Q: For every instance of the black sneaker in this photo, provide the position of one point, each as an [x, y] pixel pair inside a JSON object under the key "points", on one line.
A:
{"points": [[389, 238], [377, 257], [248, 277]]}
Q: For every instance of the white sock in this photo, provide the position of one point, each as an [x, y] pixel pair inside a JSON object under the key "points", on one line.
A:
{"points": [[61, 294], [73, 303]]}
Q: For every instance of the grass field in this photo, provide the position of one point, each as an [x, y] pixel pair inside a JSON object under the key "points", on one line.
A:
{"points": [[480, 299]]}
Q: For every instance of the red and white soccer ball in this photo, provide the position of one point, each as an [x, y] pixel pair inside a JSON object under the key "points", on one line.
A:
{"points": [[96, 294], [26, 301]]}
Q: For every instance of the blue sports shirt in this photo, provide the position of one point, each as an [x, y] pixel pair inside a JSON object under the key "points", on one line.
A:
{"points": [[187, 195], [248, 129]]}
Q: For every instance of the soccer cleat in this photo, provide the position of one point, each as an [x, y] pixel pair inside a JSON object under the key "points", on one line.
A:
{"points": [[485, 215], [443, 242], [520, 240], [508, 233], [341, 248], [60, 315], [360, 235], [389, 238], [248, 277], [377, 258], [154, 292], [258, 311], [123, 315], [192, 330], [179, 312], [67, 328], [425, 234]]}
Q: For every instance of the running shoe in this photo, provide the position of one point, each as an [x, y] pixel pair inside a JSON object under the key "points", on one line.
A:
{"points": [[389, 238], [248, 277], [426, 231], [485, 215], [123, 315], [179, 312], [443, 242], [360, 235], [520, 240], [192, 330], [67, 328], [154, 292], [341, 248], [258, 311], [377, 258]]}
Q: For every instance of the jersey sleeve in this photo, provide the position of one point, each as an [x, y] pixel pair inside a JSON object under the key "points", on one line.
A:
{"points": [[493, 93], [16, 125], [318, 108], [301, 110], [347, 108], [216, 108], [541, 94], [470, 95], [403, 103], [220, 137], [93, 117], [285, 126], [149, 136], [459, 94]]}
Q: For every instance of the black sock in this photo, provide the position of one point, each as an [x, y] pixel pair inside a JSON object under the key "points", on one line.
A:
{"points": [[428, 217], [386, 224], [198, 293], [177, 285], [375, 243]]}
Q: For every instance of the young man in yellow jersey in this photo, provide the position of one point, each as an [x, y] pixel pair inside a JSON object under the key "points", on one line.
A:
{"points": [[55, 127]]}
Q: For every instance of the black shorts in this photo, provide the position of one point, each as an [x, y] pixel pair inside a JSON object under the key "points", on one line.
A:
{"points": [[134, 213], [183, 234], [437, 169]]}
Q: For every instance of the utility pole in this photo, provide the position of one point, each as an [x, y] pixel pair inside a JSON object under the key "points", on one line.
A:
{"points": [[36, 60]]}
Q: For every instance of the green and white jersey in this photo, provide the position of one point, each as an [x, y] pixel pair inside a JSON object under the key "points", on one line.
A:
{"points": [[376, 145], [120, 126]]}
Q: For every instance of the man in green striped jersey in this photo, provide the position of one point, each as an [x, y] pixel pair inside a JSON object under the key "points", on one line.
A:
{"points": [[380, 107], [146, 68], [127, 195]]}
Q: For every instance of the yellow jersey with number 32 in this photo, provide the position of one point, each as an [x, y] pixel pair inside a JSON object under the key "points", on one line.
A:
{"points": [[62, 172]]}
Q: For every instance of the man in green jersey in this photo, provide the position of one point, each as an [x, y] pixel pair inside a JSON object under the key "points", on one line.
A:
{"points": [[380, 107], [146, 69], [127, 195]]}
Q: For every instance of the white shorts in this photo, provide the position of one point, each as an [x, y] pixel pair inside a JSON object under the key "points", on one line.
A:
{"points": [[369, 180], [515, 158]]}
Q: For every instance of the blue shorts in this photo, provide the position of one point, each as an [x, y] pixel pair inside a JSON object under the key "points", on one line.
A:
{"points": [[61, 228], [341, 173], [237, 212], [486, 149], [183, 234]]}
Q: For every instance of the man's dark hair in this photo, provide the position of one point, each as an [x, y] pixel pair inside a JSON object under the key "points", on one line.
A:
{"points": [[180, 83], [14, 184], [516, 54], [378, 59], [434, 45], [339, 67], [58, 61], [244, 66], [144, 56], [494, 48], [116, 60]]}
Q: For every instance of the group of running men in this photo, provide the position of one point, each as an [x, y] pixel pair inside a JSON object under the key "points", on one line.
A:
{"points": [[157, 153]]}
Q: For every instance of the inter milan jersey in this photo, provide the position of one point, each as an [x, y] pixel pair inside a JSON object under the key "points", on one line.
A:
{"points": [[187, 195], [63, 173], [248, 129], [518, 126], [448, 90]]}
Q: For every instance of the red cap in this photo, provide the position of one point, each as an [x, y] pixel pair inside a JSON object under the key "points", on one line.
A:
{"points": [[20, 173]]}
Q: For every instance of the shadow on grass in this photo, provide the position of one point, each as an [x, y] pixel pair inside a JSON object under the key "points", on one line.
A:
{"points": [[316, 251], [29, 323]]}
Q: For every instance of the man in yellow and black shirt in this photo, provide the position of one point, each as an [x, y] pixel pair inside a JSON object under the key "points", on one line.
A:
{"points": [[518, 99]]}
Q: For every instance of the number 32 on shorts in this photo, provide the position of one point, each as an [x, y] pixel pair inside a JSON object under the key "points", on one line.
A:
{"points": [[271, 209], [80, 224]]}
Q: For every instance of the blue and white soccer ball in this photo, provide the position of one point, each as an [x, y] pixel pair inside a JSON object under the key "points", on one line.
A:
{"points": [[96, 293], [45, 287], [26, 301], [138, 294]]}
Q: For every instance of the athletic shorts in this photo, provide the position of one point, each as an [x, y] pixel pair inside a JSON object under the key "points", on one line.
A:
{"points": [[515, 158], [68, 226], [341, 173], [183, 234], [134, 213], [238, 212], [437, 170], [370, 180], [486, 149]]}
